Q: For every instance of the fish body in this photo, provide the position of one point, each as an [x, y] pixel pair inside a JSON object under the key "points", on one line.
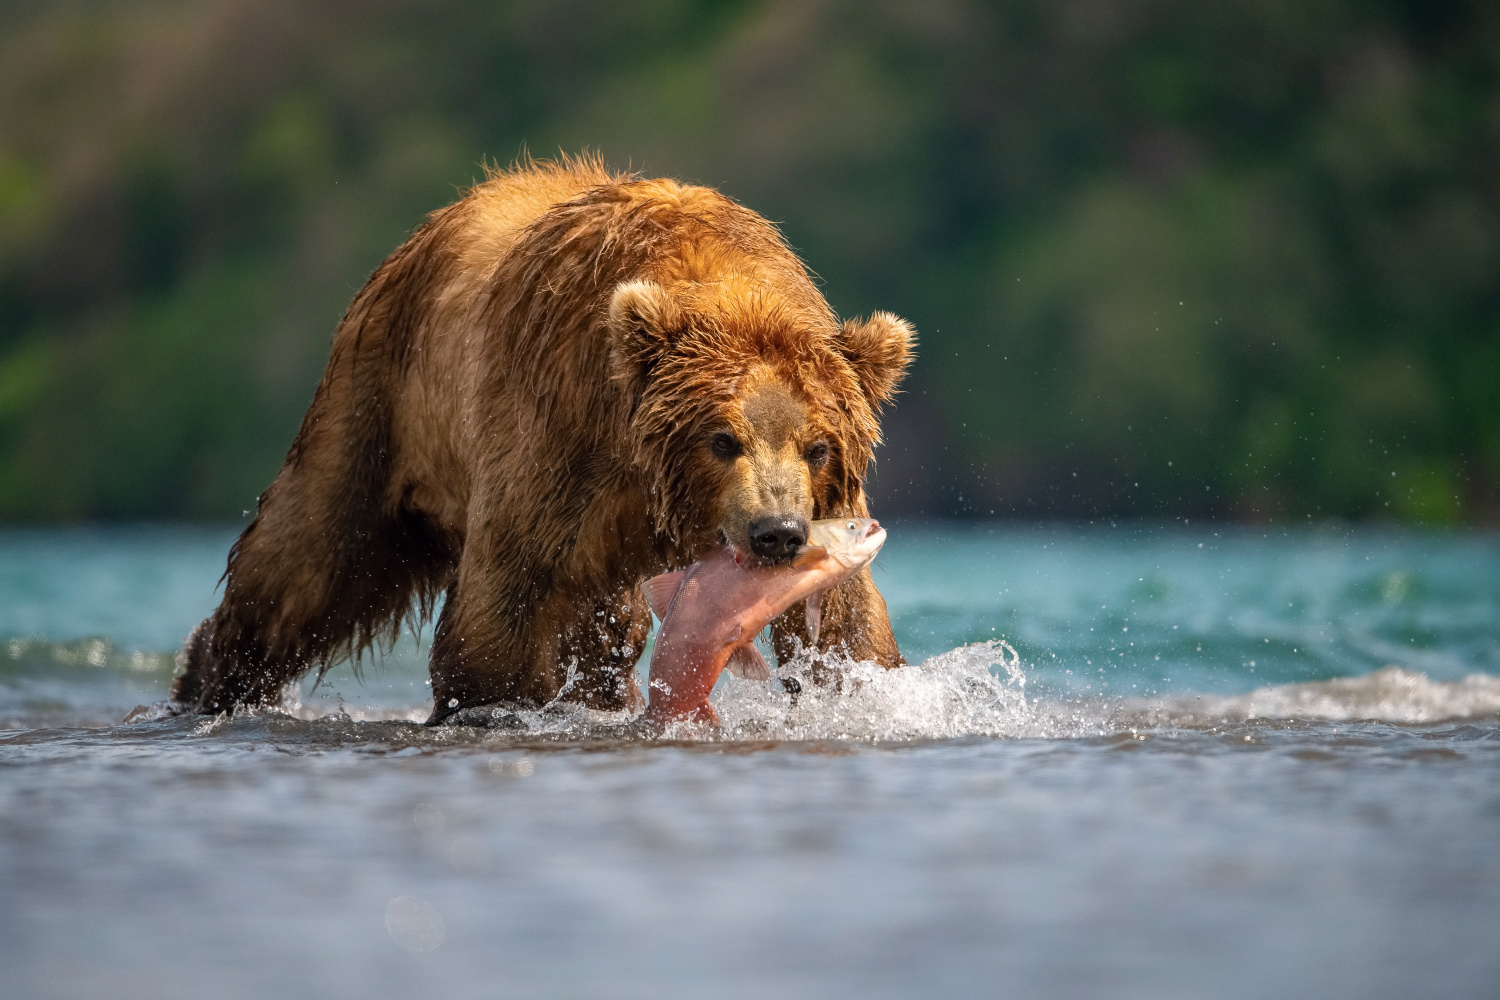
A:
{"points": [[712, 611]]}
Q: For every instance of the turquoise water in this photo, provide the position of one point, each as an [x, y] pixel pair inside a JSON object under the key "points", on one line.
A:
{"points": [[1220, 762]]}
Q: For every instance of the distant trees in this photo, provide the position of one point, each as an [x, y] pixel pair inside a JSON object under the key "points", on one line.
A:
{"points": [[1232, 259]]}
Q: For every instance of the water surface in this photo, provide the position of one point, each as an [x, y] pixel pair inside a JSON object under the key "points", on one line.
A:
{"points": [[1224, 763]]}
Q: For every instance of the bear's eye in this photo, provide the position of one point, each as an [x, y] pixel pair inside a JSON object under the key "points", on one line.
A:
{"points": [[725, 445], [817, 454]]}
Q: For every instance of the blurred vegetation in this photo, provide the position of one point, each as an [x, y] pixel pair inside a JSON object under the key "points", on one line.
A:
{"points": [[1166, 258]]}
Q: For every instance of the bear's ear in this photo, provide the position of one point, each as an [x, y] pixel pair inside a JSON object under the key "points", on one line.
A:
{"points": [[879, 349], [642, 319]]}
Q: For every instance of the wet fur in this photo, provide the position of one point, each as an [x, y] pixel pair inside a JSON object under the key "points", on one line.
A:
{"points": [[515, 414]]}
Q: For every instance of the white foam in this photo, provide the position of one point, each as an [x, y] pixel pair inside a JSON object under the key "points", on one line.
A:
{"points": [[1390, 694]]}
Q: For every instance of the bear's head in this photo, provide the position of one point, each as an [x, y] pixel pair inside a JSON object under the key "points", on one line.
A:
{"points": [[750, 415]]}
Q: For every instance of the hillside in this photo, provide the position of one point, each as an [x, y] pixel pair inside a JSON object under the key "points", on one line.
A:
{"points": [[1165, 258]]}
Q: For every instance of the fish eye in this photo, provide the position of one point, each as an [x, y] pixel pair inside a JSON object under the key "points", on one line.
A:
{"points": [[817, 454], [850, 525], [725, 445]]}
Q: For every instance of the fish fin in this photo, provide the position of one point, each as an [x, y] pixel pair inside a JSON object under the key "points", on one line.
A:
{"points": [[660, 590], [810, 556], [746, 663], [814, 616]]}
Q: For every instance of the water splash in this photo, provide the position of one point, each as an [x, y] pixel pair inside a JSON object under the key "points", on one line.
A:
{"points": [[974, 690]]}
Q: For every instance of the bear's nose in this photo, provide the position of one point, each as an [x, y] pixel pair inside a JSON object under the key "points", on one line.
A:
{"points": [[777, 537]]}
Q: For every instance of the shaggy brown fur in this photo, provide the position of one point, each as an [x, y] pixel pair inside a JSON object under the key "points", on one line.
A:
{"points": [[564, 383]]}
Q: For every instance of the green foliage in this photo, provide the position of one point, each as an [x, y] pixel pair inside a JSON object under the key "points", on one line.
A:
{"points": [[1166, 258]]}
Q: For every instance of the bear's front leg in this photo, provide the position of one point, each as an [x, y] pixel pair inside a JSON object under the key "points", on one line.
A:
{"points": [[508, 646], [600, 647], [497, 636]]}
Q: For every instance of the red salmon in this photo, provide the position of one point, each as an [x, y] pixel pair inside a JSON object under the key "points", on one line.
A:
{"points": [[712, 611]]}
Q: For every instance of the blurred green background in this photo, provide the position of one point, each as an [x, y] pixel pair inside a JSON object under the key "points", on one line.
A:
{"points": [[1166, 258]]}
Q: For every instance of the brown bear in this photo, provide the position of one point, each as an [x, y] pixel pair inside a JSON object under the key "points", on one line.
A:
{"points": [[564, 383]]}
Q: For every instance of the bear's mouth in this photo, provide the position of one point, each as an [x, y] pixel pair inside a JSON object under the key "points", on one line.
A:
{"points": [[748, 555]]}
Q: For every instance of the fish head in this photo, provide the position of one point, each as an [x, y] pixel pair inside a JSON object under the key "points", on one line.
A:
{"points": [[853, 541]]}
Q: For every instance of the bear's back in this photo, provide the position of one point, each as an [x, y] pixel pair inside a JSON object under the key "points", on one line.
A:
{"points": [[499, 209]]}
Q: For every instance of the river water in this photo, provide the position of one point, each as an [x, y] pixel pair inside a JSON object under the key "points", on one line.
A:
{"points": [[1223, 763]]}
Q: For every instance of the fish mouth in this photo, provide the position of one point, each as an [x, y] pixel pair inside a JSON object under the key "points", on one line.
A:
{"points": [[864, 548], [871, 543]]}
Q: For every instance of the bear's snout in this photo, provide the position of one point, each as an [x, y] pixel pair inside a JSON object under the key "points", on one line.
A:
{"points": [[777, 537]]}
